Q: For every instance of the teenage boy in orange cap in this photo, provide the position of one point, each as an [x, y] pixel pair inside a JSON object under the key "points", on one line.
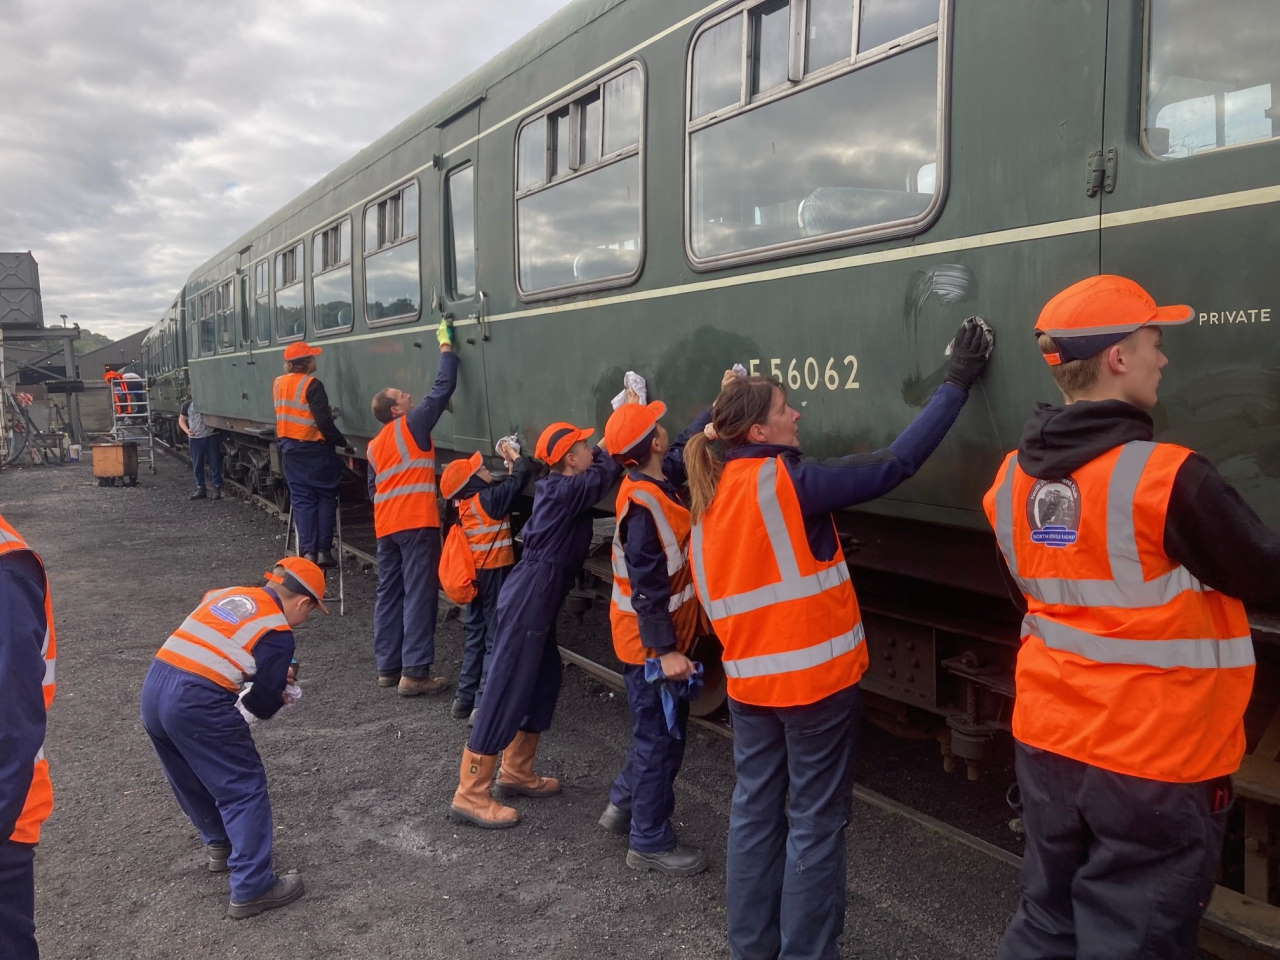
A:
{"points": [[189, 709], [654, 615], [484, 506], [524, 672], [307, 437], [1136, 662]]}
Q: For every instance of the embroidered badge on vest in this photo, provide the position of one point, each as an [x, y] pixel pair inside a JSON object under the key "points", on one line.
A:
{"points": [[1053, 512], [234, 609]]}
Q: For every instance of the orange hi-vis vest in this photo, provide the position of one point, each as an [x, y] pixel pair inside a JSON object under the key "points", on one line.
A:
{"points": [[404, 477], [120, 397], [293, 413], [789, 622], [216, 640], [489, 539], [1128, 662], [39, 802], [673, 523]]}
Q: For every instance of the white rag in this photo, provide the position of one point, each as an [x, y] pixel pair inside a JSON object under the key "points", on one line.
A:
{"points": [[635, 383]]}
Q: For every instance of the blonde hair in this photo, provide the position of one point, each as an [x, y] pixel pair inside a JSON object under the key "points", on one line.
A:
{"points": [[1073, 377], [746, 401]]}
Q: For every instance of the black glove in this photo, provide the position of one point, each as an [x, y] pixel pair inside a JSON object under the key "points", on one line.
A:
{"points": [[968, 352]]}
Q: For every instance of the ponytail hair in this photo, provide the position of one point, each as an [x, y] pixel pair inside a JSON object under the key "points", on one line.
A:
{"points": [[742, 404]]}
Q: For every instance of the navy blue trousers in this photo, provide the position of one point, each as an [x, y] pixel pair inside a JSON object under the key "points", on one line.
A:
{"points": [[313, 472], [785, 870], [524, 671], [208, 755], [647, 784], [480, 624], [1115, 867], [404, 612], [206, 450], [17, 901]]}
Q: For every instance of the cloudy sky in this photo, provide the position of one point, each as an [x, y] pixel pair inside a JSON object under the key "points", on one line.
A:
{"points": [[137, 138]]}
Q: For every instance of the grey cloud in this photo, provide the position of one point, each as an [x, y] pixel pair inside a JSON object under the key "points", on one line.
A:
{"points": [[137, 140]]}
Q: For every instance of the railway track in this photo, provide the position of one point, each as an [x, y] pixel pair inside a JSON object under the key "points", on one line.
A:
{"points": [[1235, 927]]}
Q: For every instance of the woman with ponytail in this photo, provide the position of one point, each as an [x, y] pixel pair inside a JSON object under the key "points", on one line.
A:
{"points": [[770, 574]]}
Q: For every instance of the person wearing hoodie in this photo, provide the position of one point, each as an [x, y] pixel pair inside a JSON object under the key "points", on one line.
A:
{"points": [[1132, 559]]}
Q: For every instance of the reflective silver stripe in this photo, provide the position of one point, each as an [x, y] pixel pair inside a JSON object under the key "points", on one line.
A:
{"points": [[670, 543], [40, 753], [404, 491], [1127, 589], [673, 604], [482, 547], [300, 395], [50, 672], [1165, 654], [474, 530], [769, 664], [619, 559], [206, 658], [792, 586], [301, 421], [426, 462], [7, 537], [234, 645]]}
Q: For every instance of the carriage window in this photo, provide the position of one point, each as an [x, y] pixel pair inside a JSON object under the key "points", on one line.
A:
{"points": [[717, 67], [290, 312], [1212, 76], [392, 286], [578, 217], [262, 301], [208, 343], [838, 158], [226, 314], [331, 279], [460, 189], [885, 20]]}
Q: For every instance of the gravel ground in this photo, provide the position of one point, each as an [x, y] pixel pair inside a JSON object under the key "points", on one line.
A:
{"points": [[360, 781]]}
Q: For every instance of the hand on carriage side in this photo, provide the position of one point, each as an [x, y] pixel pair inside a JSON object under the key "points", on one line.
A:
{"points": [[969, 351]]}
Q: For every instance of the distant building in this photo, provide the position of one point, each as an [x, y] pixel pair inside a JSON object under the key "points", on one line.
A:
{"points": [[95, 403], [20, 304]]}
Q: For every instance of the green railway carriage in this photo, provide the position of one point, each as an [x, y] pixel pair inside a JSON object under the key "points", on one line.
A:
{"points": [[164, 363], [820, 189]]}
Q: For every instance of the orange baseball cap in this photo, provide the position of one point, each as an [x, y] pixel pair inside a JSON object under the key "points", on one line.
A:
{"points": [[1096, 312], [301, 576], [296, 351], [557, 439], [630, 424], [457, 473]]}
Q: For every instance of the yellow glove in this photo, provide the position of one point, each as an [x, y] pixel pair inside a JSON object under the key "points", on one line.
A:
{"points": [[444, 333]]}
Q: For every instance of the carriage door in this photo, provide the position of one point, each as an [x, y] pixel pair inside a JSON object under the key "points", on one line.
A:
{"points": [[1194, 216], [460, 291]]}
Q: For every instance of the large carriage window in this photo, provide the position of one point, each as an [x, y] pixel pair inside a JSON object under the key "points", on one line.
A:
{"points": [[262, 301], [291, 321], [193, 332], [392, 289], [460, 190], [331, 280], [226, 315], [1212, 75], [208, 342], [578, 190], [808, 143]]}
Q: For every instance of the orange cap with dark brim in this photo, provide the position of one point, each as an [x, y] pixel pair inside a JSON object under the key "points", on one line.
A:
{"points": [[301, 576], [296, 351], [1091, 315], [630, 424], [457, 473], [558, 439]]}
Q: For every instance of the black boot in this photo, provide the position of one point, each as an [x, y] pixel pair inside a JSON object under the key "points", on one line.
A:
{"points": [[616, 820], [325, 559], [198, 495], [217, 493], [217, 854], [459, 710], [679, 862], [286, 890]]}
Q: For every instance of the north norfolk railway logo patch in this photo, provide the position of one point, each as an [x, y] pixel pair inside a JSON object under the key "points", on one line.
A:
{"points": [[234, 609], [1053, 512]]}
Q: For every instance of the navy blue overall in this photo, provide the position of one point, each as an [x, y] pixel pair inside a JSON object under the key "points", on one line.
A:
{"points": [[785, 867], [209, 758], [408, 598], [313, 472], [524, 671]]}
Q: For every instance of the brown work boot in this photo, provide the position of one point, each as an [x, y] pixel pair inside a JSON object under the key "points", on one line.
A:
{"points": [[516, 775], [472, 801], [422, 686]]}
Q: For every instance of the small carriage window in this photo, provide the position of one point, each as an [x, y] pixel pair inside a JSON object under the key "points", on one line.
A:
{"points": [[1212, 76], [290, 296], [460, 189], [392, 284], [843, 156], [262, 301], [331, 277], [578, 208]]}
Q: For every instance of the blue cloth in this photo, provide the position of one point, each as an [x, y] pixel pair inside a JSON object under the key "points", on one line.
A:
{"points": [[785, 869], [210, 760], [823, 486], [18, 901], [404, 611], [479, 625], [1115, 866], [206, 450], [524, 669], [646, 785], [313, 472], [22, 713], [675, 693], [422, 418]]}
